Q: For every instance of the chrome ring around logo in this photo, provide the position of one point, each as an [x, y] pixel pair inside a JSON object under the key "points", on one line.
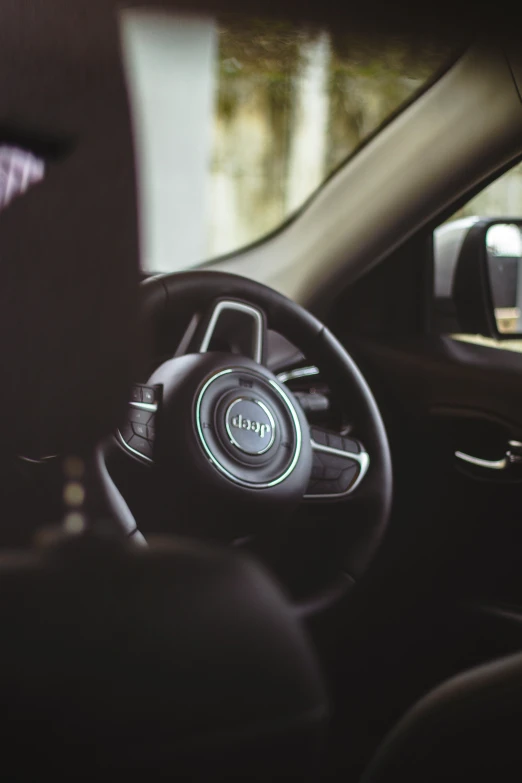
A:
{"points": [[250, 425]]}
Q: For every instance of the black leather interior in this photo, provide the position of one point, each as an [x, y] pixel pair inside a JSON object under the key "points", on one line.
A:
{"points": [[172, 660], [162, 661], [467, 729]]}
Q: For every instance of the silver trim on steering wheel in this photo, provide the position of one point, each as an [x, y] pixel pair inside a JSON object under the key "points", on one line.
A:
{"points": [[128, 448], [299, 372], [363, 459], [239, 307]]}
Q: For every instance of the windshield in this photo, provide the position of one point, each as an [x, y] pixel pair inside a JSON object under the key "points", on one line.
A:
{"points": [[238, 121]]}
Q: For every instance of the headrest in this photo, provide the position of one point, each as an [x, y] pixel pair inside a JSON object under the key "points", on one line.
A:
{"points": [[167, 660], [69, 245]]}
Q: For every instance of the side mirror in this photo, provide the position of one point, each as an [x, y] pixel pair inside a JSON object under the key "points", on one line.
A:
{"points": [[504, 258], [478, 265]]}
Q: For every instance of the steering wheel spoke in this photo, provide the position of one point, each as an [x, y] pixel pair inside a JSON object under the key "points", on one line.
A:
{"points": [[339, 465], [234, 326]]}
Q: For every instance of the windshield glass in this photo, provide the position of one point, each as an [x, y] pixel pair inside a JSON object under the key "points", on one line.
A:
{"points": [[238, 121]]}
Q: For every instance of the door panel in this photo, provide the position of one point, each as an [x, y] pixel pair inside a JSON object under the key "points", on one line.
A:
{"points": [[445, 591], [440, 396]]}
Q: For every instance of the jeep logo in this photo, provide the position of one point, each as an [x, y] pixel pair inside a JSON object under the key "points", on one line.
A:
{"points": [[250, 425], [242, 423]]}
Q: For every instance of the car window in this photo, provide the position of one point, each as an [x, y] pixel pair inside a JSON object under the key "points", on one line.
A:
{"points": [[502, 198], [239, 120]]}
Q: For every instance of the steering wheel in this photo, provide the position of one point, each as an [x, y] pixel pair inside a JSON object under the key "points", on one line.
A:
{"points": [[228, 448]]}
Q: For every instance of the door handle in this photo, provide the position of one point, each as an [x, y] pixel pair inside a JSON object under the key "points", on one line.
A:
{"points": [[489, 464], [513, 456]]}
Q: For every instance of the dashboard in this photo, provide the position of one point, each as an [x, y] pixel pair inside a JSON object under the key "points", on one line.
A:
{"points": [[306, 383]]}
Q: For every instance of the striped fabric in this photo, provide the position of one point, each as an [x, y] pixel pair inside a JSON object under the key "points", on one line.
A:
{"points": [[18, 170]]}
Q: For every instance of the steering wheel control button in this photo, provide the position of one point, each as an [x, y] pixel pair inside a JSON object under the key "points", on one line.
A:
{"points": [[330, 466], [126, 432], [348, 477], [250, 425], [339, 464], [144, 397], [136, 436], [148, 395], [141, 445], [140, 429], [334, 441], [332, 475], [319, 436], [140, 415], [351, 445]]}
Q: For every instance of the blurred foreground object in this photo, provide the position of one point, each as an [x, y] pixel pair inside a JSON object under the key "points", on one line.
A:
{"points": [[18, 171]]}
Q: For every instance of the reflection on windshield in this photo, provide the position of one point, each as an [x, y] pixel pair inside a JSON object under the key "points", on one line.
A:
{"points": [[240, 120]]}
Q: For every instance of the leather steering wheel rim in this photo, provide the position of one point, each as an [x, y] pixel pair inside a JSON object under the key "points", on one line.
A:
{"points": [[182, 295]]}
